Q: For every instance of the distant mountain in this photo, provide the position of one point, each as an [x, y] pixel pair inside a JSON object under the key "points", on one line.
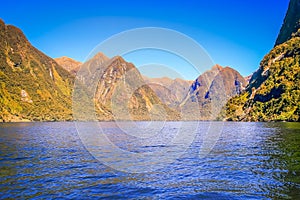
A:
{"points": [[32, 85], [212, 89], [291, 22], [203, 98], [170, 91], [273, 93], [69, 64], [180, 88], [120, 91]]}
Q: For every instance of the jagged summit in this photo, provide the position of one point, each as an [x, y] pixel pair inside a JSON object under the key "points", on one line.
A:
{"points": [[120, 92], [2, 23]]}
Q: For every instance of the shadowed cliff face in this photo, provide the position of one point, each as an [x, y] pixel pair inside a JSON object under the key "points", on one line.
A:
{"points": [[32, 85], [291, 22]]}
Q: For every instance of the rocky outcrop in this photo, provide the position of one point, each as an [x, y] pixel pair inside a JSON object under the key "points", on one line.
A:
{"points": [[248, 78]]}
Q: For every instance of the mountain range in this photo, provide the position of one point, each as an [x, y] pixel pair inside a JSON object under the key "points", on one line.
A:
{"points": [[172, 95], [35, 87]]}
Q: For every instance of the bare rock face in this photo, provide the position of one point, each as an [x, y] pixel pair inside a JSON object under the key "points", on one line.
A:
{"points": [[203, 98], [180, 88], [248, 78], [25, 97]]}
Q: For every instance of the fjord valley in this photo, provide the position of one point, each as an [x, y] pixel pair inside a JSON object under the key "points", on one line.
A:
{"points": [[104, 128], [35, 87]]}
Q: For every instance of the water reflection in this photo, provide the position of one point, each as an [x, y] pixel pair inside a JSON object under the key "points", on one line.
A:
{"points": [[285, 158]]}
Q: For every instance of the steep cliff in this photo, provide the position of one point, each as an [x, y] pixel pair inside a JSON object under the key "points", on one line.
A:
{"points": [[291, 22], [32, 85], [170, 91], [273, 93]]}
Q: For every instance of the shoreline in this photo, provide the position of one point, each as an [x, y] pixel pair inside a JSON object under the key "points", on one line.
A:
{"points": [[74, 121]]}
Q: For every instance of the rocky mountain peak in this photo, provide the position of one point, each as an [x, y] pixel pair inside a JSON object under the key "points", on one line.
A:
{"points": [[100, 56], [2, 24], [217, 67], [120, 92], [69, 64]]}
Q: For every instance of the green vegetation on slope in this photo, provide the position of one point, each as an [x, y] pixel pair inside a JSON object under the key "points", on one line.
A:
{"points": [[32, 85], [273, 93]]}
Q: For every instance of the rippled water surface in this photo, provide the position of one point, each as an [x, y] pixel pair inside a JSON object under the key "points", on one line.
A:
{"points": [[248, 161]]}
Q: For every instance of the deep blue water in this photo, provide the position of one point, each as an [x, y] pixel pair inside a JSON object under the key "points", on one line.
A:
{"points": [[248, 161]]}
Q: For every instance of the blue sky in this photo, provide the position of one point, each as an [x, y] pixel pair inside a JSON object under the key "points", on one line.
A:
{"points": [[234, 33]]}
